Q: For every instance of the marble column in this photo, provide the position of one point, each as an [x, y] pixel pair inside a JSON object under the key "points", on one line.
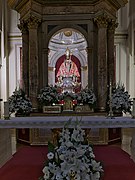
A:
{"points": [[24, 66], [33, 23], [110, 51], [102, 22]]}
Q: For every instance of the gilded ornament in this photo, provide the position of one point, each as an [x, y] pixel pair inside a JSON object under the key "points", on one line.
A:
{"points": [[68, 33]]}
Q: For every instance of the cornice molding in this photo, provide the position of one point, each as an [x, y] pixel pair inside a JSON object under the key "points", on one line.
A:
{"points": [[118, 3], [40, 7], [14, 3], [17, 4]]}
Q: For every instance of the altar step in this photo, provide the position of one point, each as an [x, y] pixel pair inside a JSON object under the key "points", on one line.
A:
{"points": [[70, 113]]}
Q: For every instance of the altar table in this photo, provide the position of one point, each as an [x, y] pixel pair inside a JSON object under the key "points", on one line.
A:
{"points": [[59, 122], [50, 122]]}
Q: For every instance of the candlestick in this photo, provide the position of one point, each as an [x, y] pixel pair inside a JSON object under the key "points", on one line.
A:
{"points": [[110, 102], [133, 110], [6, 110]]}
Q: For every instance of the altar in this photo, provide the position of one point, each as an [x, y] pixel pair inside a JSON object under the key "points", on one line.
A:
{"points": [[38, 130], [45, 123]]}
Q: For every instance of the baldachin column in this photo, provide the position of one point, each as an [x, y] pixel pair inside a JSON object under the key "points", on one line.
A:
{"points": [[33, 23], [110, 51], [102, 22]]}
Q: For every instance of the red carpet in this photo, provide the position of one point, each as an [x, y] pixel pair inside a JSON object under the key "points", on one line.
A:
{"points": [[117, 163], [27, 164]]}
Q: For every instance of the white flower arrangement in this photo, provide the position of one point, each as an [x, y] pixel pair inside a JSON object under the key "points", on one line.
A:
{"points": [[48, 95], [86, 96], [19, 103], [121, 99], [72, 159]]}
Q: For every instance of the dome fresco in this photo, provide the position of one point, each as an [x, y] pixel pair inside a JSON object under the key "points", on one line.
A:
{"points": [[68, 37]]}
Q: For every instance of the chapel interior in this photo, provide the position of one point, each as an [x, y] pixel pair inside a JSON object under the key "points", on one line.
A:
{"points": [[71, 45]]}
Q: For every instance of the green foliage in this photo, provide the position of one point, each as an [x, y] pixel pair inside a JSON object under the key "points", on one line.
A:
{"points": [[51, 147]]}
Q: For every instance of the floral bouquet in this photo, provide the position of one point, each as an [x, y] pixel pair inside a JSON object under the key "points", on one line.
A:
{"points": [[86, 96], [72, 159], [48, 95], [19, 103], [121, 99]]}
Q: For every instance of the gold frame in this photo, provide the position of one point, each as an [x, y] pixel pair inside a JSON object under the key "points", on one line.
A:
{"points": [[42, 136]]}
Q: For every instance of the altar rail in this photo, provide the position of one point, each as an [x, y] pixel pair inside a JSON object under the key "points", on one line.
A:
{"points": [[59, 122]]}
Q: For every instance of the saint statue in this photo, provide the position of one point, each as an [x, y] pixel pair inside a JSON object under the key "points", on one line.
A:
{"points": [[68, 73], [68, 68]]}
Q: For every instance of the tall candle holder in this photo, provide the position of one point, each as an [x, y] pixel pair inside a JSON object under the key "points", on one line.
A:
{"points": [[133, 109], [6, 110], [110, 115]]}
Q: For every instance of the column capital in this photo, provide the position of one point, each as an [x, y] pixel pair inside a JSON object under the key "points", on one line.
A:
{"points": [[112, 25], [33, 22], [89, 50], [51, 69], [84, 68], [23, 26], [102, 20]]}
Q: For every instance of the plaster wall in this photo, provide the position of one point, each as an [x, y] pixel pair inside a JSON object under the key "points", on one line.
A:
{"points": [[15, 43], [124, 41]]}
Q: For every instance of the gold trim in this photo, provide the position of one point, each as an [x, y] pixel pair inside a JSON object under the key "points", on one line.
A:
{"points": [[84, 68], [51, 68]]}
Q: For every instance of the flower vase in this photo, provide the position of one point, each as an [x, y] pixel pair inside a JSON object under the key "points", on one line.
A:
{"points": [[22, 114], [117, 113], [72, 178], [88, 108]]}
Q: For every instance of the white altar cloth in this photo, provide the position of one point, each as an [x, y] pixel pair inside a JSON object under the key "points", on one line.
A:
{"points": [[59, 122]]}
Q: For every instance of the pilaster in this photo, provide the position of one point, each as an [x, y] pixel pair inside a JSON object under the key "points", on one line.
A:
{"points": [[24, 71]]}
